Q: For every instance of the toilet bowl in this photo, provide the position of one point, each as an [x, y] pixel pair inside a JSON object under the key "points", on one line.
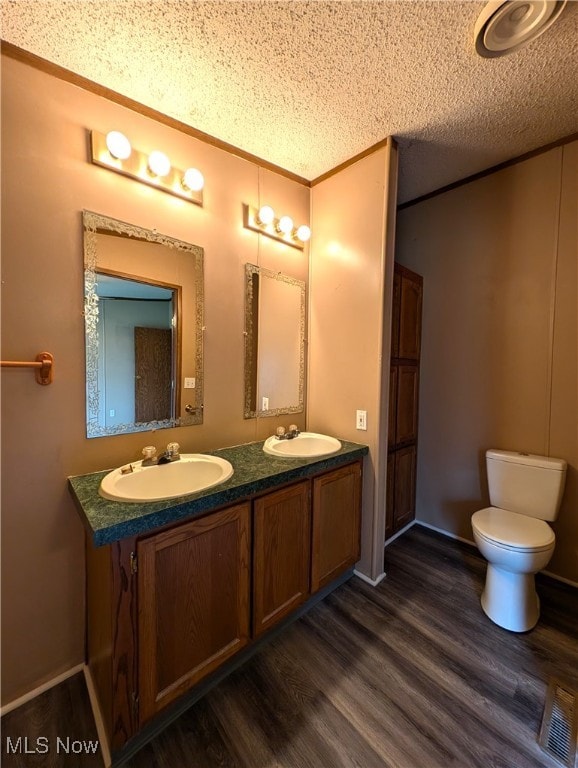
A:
{"points": [[516, 547], [513, 535]]}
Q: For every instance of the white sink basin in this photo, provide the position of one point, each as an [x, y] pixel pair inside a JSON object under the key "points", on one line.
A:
{"points": [[306, 445], [193, 472]]}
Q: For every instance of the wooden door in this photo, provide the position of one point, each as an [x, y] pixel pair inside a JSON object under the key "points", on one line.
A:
{"points": [[392, 416], [390, 501], [281, 554], [336, 524], [410, 316], [407, 404], [396, 299], [404, 491], [403, 398], [153, 374], [193, 596]]}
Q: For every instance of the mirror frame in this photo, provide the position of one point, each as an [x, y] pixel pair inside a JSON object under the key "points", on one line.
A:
{"points": [[93, 224], [251, 361]]}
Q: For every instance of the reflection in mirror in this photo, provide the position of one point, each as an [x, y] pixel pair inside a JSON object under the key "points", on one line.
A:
{"points": [[137, 331], [143, 325], [274, 343]]}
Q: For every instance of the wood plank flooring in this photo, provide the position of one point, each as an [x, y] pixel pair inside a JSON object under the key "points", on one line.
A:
{"points": [[410, 674]]}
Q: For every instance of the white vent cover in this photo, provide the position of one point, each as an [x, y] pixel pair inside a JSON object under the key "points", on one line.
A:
{"points": [[504, 26]]}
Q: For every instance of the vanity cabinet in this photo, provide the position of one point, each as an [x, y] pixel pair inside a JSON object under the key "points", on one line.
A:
{"points": [[167, 608], [305, 537], [336, 533], [193, 588], [281, 554], [403, 399]]}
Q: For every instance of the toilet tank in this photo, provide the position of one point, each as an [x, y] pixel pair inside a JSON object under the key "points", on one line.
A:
{"points": [[524, 483]]}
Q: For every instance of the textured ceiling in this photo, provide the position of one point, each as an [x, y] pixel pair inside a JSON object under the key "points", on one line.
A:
{"points": [[307, 85]]}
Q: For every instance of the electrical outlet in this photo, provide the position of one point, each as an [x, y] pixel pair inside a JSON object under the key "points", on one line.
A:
{"points": [[265, 404], [361, 420], [190, 382], [111, 413]]}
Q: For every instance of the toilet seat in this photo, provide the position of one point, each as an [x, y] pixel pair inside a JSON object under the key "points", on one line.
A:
{"points": [[512, 531]]}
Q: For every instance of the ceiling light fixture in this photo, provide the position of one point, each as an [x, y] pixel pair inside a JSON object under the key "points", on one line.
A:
{"points": [[505, 26], [113, 151], [263, 221]]}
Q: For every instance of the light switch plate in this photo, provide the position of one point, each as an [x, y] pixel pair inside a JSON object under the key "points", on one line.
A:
{"points": [[361, 420]]}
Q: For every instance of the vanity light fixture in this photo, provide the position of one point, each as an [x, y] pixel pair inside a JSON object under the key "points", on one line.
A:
{"points": [[303, 233], [263, 220], [265, 215], [285, 225], [193, 179], [113, 151], [159, 164], [118, 145]]}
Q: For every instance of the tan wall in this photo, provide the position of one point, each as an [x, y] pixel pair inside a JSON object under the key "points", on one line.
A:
{"points": [[499, 345], [349, 324], [46, 182], [563, 418]]}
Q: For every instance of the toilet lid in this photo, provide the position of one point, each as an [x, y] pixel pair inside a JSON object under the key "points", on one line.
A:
{"points": [[512, 530]]}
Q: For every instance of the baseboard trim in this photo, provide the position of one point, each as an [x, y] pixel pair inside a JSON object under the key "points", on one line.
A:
{"points": [[40, 689], [562, 579], [446, 533], [551, 575], [399, 533], [367, 580], [98, 718]]}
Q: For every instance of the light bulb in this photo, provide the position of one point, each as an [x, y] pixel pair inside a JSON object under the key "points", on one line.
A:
{"points": [[266, 215], [159, 163], [285, 225], [193, 180], [303, 233], [118, 145]]}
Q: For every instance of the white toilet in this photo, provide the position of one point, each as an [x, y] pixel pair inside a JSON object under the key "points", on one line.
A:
{"points": [[525, 491]]}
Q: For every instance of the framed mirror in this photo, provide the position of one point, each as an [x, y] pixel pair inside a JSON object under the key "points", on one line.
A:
{"points": [[274, 343], [143, 310]]}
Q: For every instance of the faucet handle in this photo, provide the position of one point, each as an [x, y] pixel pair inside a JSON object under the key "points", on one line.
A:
{"points": [[280, 431], [293, 428], [149, 451], [173, 449]]}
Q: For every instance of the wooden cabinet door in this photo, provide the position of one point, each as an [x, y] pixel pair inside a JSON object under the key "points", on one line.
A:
{"points": [[410, 317], [392, 416], [336, 523], [390, 497], [404, 492], [281, 554], [395, 307], [193, 597], [407, 394]]}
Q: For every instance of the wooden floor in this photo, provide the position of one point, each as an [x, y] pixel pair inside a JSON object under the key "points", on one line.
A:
{"points": [[410, 674]]}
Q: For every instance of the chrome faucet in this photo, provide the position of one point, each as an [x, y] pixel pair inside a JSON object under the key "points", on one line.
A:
{"points": [[282, 434], [171, 454], [151, 459]]}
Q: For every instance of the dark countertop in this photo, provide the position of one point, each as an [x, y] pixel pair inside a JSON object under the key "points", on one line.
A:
{"points": [[255, 471]]}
